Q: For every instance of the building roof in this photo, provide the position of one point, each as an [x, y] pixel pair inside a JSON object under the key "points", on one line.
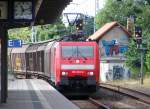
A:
{"points": [[107, 27], [49, 10], [46, 12]]}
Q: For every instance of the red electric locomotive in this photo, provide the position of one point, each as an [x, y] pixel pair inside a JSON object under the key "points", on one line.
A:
{"points": [[73, 65]]}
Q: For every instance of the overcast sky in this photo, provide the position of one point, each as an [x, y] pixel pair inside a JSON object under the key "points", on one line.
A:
{"points": [[86, 7], [83, 6]]}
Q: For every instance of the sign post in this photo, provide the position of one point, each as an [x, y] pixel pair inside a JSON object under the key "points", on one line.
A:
{"points": [[15, 43]]}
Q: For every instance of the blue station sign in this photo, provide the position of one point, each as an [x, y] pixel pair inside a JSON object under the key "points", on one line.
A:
{"points": [[15, 43]]}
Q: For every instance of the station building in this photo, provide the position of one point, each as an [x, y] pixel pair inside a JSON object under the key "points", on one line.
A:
{"points": [[8, 20], [113, 41]]}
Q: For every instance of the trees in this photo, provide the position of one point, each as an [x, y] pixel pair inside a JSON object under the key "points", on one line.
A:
{"points": [[44, 32], [88, 26], [20, 33], [117, 11]]}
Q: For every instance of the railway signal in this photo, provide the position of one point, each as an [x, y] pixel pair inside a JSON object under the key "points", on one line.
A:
{"points": [[138, 39], [79, 24], [138, 35]]}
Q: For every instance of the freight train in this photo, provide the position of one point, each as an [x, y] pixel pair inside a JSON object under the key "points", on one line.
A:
{"points": [[67, 65]]}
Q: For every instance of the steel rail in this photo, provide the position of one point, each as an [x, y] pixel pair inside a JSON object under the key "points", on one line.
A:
{"points": [[129, 89], [99, 104], [138, 95]]}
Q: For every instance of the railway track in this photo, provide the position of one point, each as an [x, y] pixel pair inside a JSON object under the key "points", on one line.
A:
{"points": [[135, 94], [90, 104]]}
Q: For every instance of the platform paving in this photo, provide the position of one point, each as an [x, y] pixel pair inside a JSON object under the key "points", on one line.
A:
{"points": [[34, 94]]}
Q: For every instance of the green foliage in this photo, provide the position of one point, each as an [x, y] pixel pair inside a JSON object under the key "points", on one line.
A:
{"points": [[44, 32], [89, 26], [148, 60], [134, 59], [118, 11], [20, 33], [145, 24]]}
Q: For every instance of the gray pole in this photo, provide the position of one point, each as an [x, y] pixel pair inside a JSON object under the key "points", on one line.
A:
{"points": [[33, 35], [95, 18], [142, 66], [96, 9], [4, 72]]}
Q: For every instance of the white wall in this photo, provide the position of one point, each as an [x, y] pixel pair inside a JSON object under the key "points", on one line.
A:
{"points": [[106, 68], [103, 69]]}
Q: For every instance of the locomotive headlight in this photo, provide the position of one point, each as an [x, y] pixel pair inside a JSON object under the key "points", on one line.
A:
{"points": [[90, 73], [64, 73]]}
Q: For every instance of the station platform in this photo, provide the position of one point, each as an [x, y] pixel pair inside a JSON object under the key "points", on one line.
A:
{"points": [[34, 94]]}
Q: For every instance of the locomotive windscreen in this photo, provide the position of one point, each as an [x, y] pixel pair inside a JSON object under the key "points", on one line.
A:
{"points": [[77, 51]]}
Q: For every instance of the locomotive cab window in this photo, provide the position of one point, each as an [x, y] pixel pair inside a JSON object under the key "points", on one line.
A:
{"points": [[77, 51], [86, 51], [68, 51]]}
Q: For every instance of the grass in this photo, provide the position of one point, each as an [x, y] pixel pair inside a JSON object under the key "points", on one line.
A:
{"points": [[147, 82], [132, 82]]}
